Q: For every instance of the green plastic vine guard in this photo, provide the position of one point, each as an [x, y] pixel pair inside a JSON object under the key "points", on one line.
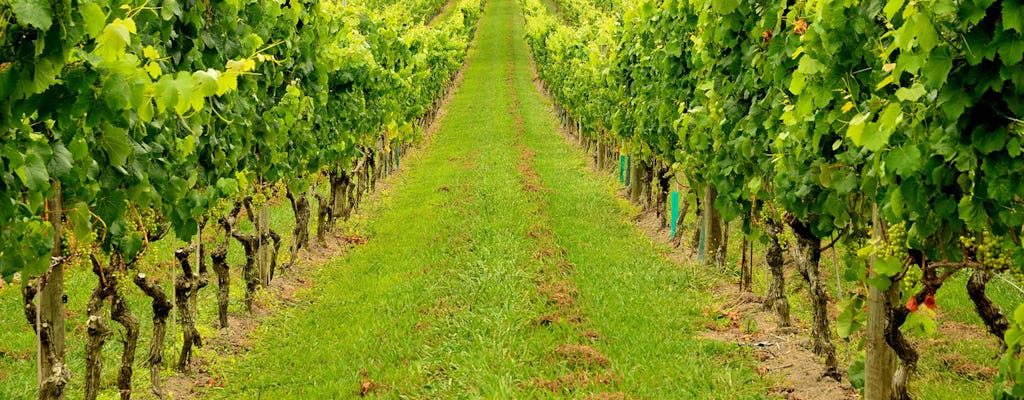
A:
{"points": [[622, 168], [675, 211], [629, 164]]}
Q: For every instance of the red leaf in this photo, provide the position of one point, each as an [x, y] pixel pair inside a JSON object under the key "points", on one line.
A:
{"points": [[912, 304], [930, 302]]}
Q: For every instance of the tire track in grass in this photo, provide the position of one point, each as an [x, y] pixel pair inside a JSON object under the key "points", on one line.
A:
{"points": [[589, 369]]}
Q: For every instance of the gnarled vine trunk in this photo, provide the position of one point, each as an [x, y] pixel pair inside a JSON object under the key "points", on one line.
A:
{"points": [[635, 180], [120, 312], [809, 247], [251, 245], [161, 310], [746, 275], [647, 175], [776, 299], [698, 222], [661, 200], [97, 332], [987, 310], [219, 257], [185, 287], [340, 182], [715, 239], [908, 357], [323, 214], [371, 170], [272, 237]]}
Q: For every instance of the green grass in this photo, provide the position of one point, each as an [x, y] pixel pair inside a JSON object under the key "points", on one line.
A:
{"points": [[442, 301]]}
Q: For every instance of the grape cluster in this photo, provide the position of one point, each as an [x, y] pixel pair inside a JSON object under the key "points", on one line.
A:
{"points": [[259, 199], [72, 248], [911, 281], [897, 243], [989, 251], [220, 209]]}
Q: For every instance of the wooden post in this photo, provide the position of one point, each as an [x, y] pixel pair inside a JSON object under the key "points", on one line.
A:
{"points": [[880, 359], [53, 374]]}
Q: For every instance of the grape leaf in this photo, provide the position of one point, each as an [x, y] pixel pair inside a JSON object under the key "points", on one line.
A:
{"points": [[116, 92], [904, 160], [81, 220], [927, 36], [36, 13], [875, 139], [892, 7], [888, 266], [1013, 16], [808, 65], [912, 93], [856, 372], [93, 18], [114, 142], [61, 162], [848, 322], [1011, 51], [33, 172], [971, 212], [797, 84]]}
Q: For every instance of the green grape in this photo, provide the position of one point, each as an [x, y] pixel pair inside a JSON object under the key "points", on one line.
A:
{"points": [[67, 244], [259, 200], [988, 250], [897, 244], [912, 279]]}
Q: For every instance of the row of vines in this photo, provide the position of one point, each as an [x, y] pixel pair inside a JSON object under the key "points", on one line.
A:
{"points": [[125, 122], [891, 127]]}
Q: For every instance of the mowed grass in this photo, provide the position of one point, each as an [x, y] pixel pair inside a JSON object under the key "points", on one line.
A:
{"points": [[443, 302]]}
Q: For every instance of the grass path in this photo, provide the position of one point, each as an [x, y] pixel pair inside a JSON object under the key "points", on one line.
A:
{"points": [[496, 267]]}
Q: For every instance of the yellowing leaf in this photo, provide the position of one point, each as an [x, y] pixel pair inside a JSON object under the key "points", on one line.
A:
{"points": [[206, 82], [226, 82], [891, 7], [848, 106], [150, 52], [885, 82], [243, 65], [810, 66], [153, 69], [797, 84], [856, 130]]}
